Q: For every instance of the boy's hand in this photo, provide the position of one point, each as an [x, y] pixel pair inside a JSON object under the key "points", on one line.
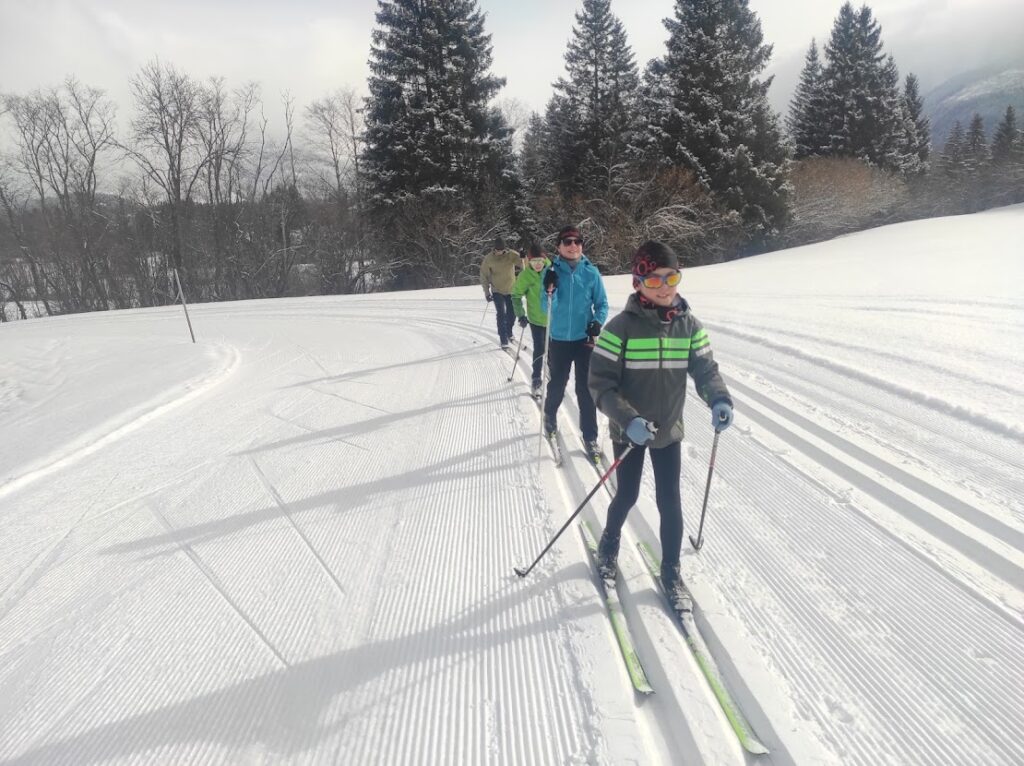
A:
{"points": [[721, 415], [523, 321], [640, 431]]}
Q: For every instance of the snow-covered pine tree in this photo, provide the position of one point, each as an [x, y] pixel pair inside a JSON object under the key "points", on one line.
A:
{"points": [[429, 123], [1007, 158], [713, 115], [916, 125], [532, 167], [954, 153], [1006, 141], [892, 141], [976, 145], [601, 90], [564, 153], [805, 121], [861, 96]]}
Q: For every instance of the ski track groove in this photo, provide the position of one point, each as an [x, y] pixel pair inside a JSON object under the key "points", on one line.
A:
{"points": [[947, 408], [949, 502], [939, 452], [970, 436], [747, 335], [922, 552], [792, 595], [892, 496], [853, 475]]}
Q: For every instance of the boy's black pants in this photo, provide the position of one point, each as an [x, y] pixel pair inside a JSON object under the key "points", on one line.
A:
{"points": [[667, 469]]}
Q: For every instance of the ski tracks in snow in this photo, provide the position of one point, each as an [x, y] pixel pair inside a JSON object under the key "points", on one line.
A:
{"points": [[224, 360], [892, 603]]}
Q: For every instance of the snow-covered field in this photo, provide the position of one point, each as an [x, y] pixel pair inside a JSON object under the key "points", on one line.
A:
{"points": [[294, 541]]}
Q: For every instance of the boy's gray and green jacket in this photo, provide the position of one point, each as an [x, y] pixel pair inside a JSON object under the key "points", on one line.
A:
{"points": [[639, 368]]}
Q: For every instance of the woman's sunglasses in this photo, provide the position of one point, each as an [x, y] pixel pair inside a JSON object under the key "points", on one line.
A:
{"points": [[572, 241], [654, 281]]}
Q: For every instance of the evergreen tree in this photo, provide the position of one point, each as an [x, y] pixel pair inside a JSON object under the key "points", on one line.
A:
{"points": [[596, 110], [532, 158], [1007, 146], [916, 125], [805, 120], [428, 121], [862, 102], [564, 152], [954, 162], [975, 145], [1007, 160], [712, 112]]}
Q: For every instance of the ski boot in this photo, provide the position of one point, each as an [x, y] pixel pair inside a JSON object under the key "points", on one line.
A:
{"points": [[594, 451], [607, 556], [675, 589]]}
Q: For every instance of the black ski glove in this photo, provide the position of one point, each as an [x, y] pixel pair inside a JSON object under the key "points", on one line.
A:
{"points": [[594, 328], [550, 280], [523, 321]]}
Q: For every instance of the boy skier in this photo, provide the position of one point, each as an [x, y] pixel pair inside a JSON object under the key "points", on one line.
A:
{"points": [[638, 379], [528, 285]]}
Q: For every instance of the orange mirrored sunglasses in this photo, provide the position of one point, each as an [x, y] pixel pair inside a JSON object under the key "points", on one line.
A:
{"points": [[654, 281]]}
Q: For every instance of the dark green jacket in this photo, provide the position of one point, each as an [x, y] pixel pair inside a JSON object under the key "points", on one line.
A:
{"points": [[639, 368]]}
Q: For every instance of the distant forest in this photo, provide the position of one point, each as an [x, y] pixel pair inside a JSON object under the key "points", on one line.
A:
{"points": [[407, 187]]}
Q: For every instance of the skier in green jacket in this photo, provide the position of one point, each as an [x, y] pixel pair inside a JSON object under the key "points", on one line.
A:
{"points": [[528, 285], [638, 379]]}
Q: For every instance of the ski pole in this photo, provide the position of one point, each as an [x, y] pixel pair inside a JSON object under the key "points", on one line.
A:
{"points": [[482, 316], [618, 460], [522, 334], [545, 377], [703, 511]]}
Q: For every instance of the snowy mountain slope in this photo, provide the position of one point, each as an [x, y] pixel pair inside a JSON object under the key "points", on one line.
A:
{"points": [[294, 542]]}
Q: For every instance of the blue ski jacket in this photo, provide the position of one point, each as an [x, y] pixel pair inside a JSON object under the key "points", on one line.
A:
{"points": [[579, 299]]}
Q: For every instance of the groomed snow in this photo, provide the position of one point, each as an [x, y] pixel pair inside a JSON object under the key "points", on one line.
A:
{"points": [[293, 542]]}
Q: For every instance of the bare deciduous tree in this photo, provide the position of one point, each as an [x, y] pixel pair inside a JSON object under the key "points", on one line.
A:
{"points": [[61, 137], [167, 142]]}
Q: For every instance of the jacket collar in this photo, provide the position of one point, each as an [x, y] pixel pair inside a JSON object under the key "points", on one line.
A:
{"points": [[583, 263], [634, 306]]}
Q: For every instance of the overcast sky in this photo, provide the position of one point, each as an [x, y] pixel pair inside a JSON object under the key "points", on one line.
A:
{"points": [[312, 47]]}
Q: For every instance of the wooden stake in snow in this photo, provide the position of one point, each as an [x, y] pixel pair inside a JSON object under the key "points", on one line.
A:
{"points": [[184, 305]]}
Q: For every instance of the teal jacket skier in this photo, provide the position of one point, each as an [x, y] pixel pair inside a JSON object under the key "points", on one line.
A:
{"points": [[579, 307]]}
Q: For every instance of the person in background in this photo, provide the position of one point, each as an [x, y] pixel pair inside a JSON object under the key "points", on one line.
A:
{"points": [[497, 276], [638, 379], [579, 306], [528, 286]]}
